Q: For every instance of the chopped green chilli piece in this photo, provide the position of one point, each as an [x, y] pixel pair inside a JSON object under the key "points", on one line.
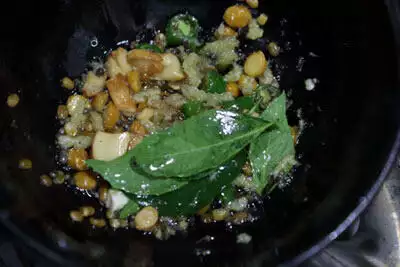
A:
{"points": [[183, 29], [150, 47]]}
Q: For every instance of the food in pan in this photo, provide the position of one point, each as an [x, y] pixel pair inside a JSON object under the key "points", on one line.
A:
{"points": [[176, 128]]}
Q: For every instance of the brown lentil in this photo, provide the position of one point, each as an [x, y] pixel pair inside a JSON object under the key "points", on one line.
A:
{"points": [[62, 112], [67, 83], [46, 180], [239, 217], [84, 181], [220, 214], [247, 170], [141, 106], [203, 210], [76, 216], [294, 131], [111, 116], [99, 223], [233, 88], [25, 164], [87, 211], [59, 177], [115, 223], [123, 223], [207, 218], [137, 128], [109, 214], [146, 218], [103, 192], [99, 101], [76, 159], [12, 100], [273, 49]]}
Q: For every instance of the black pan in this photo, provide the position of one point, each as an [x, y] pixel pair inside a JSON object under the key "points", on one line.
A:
{"points": [[349, 142]]}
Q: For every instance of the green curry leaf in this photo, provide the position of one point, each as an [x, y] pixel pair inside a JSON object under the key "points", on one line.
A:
{"points": [[150, 47], [240, 103], [276, 112], [192, 197], [183, 29], [228, 194], [121, 175], [270, 149], [192, 108], [215, 83], [266, 154], [198, 144], [130, 208]]}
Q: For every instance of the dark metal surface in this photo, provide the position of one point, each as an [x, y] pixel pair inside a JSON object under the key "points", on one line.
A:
{"points": [[372, 239]]}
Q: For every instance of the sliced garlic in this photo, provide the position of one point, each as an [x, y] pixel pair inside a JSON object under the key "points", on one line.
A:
{"points": [[146, 114], [143, 54], [172, 69], [117, 63], [76, 104], [94, 84], [107, 146], [116, 200], [66, 141], [121, 55], [113, 69], [121, 94], [146, 62], [97, 121]]}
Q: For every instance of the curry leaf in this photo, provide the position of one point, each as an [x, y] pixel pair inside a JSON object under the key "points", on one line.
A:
{"points": [[192, 197], [215, 83], [240, 103], [262, 94], [276, 112], [192, 108], [266, 154], [198, 144], [130, 208], [150, 47], [228, 194], [183, 29], [121, 175], [271, 148]]}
